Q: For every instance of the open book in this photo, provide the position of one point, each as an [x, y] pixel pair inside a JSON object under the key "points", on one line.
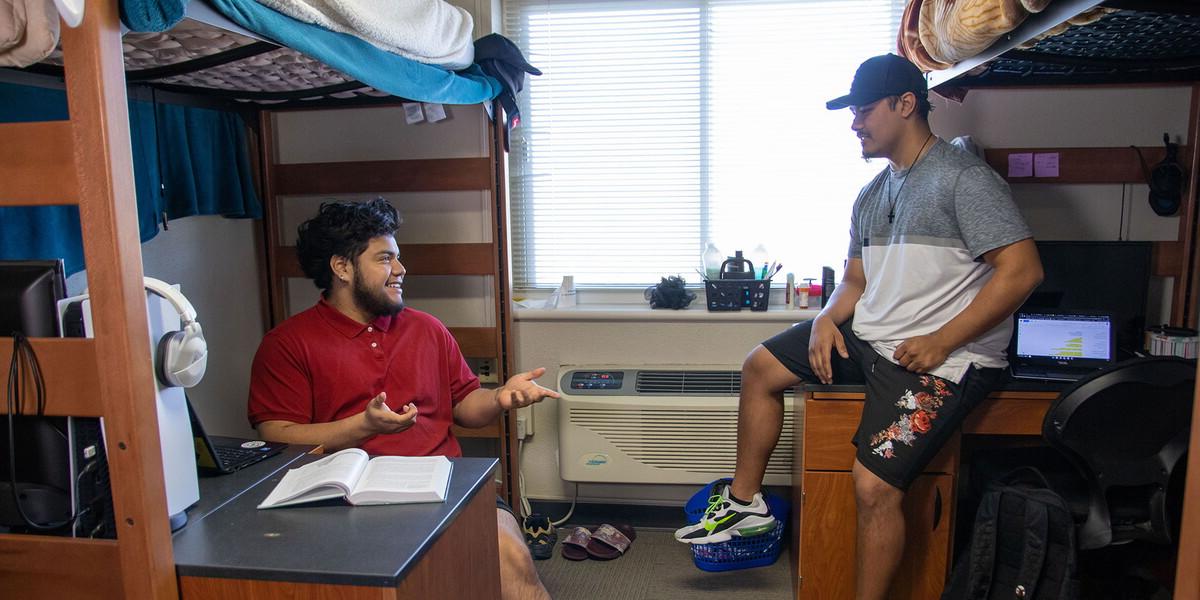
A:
{"points": [[363, 480]]}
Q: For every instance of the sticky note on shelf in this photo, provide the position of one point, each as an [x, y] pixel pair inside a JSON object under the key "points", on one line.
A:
{"points": [[413, 113], [1020, 164], [434, 112], [1045, 164]]}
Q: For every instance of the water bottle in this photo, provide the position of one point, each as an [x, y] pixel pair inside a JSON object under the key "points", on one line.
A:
{"points": [[758, 257], [712, 261]]}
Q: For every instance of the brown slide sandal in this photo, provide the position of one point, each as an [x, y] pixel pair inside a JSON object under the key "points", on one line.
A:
{"points": [[610, 541], [575, 547]]}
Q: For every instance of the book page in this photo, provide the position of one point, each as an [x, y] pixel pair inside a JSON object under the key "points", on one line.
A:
{"points": [[398, 479], [330, 477]]}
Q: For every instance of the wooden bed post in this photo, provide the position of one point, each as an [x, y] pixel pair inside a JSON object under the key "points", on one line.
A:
{"points": [[87, 160], [95, 73]]}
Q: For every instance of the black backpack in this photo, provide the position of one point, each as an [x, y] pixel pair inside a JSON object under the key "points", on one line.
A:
{"points": [[1022, 546]]}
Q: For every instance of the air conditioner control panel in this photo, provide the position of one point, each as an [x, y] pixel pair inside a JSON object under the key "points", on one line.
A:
{"points": [[577, 381]]}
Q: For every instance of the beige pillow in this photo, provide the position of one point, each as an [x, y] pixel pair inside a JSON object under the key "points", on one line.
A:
{"points": [[908, 40], [954, 30]]}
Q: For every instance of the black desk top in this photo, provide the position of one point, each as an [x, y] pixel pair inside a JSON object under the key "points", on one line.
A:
{"points": [[328, 542], [217, 490]]}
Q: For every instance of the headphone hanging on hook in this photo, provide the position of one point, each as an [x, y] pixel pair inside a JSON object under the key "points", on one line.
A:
{"points": [[1165, 180], [181, 356]]}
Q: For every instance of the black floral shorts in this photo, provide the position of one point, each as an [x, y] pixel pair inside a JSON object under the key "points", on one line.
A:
{"points": [[907, 417]]}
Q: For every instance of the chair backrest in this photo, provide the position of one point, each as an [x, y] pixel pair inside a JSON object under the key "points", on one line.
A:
{"points": [[1125, 428]]}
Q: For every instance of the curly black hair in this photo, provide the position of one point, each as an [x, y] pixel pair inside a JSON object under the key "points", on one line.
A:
{"points": [[341, 229]]}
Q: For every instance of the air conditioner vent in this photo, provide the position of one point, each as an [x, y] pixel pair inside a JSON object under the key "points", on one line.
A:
{"points": [[690, 383]]}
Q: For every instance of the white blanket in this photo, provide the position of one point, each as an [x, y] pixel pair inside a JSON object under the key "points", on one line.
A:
{"points": [[28, 31], [428, 31]]}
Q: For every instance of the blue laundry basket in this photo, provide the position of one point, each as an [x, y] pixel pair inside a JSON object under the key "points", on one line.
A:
{"points": [[739, 552]]}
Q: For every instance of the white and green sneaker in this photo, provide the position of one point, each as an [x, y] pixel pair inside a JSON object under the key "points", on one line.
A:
{"points": [[725, 519]]}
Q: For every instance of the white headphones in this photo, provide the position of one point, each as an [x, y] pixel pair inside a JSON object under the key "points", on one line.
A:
{"points": [[182, 355]]}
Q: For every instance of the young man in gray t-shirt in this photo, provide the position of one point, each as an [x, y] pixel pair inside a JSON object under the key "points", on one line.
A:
{"points": [[939, 259]]}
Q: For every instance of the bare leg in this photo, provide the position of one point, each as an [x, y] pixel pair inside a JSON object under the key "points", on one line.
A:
{"points": [[760, 418], [518, 579], [880, 536]]}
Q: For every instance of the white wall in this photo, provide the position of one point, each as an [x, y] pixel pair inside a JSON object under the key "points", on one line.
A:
{"points": [[996, 118], [213, 260], [1112, 117]]}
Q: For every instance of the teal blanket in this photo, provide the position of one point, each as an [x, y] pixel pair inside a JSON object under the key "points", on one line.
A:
{"points": [[356, 58]]}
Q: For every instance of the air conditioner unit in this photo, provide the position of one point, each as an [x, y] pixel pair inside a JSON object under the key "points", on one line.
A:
{"points": [[657, 425]]}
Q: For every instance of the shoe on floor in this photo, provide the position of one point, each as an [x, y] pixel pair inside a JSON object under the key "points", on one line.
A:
{"points": [[726, 519], [540, 536]]}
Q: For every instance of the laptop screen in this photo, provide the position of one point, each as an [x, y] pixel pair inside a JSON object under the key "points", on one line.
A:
{"points": [[1064, 338]]}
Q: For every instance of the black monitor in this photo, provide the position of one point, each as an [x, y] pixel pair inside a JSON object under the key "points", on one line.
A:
{"points": [[1112, 277], [29, 295]]}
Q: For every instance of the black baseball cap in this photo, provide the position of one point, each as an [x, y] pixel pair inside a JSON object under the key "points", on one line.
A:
{"points": [[880, 77]]}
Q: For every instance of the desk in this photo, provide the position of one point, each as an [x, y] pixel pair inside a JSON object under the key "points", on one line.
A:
{"points": [[823, 502], [229, 549]]}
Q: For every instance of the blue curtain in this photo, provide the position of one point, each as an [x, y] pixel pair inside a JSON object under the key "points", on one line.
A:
{"points": [[186, 161]]}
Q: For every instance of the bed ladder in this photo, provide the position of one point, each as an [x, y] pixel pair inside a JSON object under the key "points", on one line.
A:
{"points": [[87, 161]]}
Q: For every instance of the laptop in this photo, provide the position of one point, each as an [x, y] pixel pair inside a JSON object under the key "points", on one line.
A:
{"points": [[218, 454], [1060, 345]]}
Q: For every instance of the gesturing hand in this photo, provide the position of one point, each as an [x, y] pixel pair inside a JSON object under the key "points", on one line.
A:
{"points": [[380, 418], [520, 390]]}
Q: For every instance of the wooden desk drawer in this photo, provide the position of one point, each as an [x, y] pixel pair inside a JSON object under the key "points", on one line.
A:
{"points": [[829, 427], [1008, 416]]}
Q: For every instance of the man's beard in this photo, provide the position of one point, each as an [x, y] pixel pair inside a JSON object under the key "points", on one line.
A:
{"points": [[867, 156], [374, 302]]}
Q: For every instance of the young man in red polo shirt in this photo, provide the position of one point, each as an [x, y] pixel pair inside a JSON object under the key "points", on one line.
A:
{"points": [[361, 370]]}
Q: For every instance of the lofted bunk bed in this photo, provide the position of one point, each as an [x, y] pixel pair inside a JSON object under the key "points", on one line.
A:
{"points": [[238, 56], [1069, 43]]}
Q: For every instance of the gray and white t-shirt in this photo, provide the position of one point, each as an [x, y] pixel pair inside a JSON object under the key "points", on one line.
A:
{"points": [[924, 268]]}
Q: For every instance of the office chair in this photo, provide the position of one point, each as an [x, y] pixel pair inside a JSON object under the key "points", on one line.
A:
{"points": [[1125, 429]]}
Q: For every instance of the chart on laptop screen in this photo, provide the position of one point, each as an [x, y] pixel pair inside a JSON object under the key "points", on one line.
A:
{"points": [[1064, 338]]}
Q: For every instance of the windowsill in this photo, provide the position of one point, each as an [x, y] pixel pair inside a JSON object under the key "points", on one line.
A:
{"points": [[634, 312]]}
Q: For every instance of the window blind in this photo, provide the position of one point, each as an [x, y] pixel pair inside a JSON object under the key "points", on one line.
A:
{"points": [[659, 127]]}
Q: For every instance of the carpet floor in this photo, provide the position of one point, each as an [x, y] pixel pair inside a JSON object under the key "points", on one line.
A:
{"points": [[656, 567]]}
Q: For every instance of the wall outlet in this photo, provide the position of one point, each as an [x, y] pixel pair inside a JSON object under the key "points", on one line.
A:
{"points": [[525, 415], [485, 369], [522, 426]]}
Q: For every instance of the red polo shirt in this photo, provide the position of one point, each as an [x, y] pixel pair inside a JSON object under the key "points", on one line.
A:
{"points": [[321, 366]]}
